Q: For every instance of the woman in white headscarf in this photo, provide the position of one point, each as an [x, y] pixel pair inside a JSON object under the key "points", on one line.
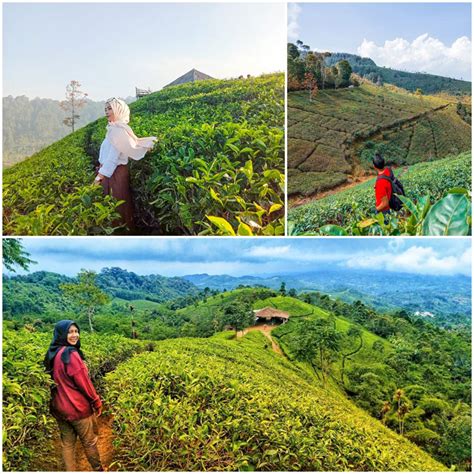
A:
{"points": [[119, 145]]}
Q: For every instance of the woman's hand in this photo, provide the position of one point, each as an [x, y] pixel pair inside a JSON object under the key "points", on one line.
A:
{"points": [[99, 411], [99, 178]]}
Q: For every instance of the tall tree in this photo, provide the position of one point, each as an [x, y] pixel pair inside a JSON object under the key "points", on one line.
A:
{"points": [[353, 344], [15, 255], [75, 99], [86, 294]]}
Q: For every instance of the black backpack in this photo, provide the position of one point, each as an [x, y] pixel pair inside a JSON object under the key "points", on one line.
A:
{"points": [[397, 188]]}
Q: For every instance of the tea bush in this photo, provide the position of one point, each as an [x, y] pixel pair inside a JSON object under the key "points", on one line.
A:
{"points": [[217, 168], [229, 405], [348, 208], [27, 424]]}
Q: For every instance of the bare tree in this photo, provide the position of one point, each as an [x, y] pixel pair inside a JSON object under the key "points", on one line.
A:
{"points": [[75, 99]]}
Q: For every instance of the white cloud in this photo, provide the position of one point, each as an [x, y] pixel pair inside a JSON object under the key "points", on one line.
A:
{"points": [[424, 54], [422, 260], [264, 251], [294, 11]]}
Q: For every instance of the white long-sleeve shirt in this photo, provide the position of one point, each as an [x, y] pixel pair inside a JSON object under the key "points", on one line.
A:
{"points": [[118, 146], [110, 158]]}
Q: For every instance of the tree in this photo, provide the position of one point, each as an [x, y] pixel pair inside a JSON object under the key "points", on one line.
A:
{"points": [[237, 315], [292, 293], [86, 294], [344, 72], [75, 99], [283, 289], [317, 340], [14, 254], [353, 334]]}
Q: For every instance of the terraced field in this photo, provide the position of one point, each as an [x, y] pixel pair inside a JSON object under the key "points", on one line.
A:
{"points": [[332, 139]]}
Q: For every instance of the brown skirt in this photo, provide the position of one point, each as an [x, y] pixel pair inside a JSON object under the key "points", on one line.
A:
{"points": [[118, 186]]}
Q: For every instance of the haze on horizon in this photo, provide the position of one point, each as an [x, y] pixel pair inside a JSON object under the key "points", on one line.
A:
{"points": [[239, 257]]}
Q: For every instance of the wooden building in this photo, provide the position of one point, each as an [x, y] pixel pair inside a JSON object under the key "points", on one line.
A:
{"points": [[271, 315]]}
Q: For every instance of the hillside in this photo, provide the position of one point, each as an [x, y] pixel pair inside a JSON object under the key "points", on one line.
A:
{"points": [[442, 296], [428, 83], [422, 181], [39, 293], [332, 139], [29, 125], [216, 406], [217, 167], [202, 403]]}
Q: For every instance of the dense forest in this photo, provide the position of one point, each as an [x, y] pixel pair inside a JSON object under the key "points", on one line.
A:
{"points": [[30, 125], [428, 83]]}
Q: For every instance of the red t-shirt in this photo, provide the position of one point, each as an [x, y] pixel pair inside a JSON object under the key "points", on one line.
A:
{"points": [[383, 188], [76, 397]]}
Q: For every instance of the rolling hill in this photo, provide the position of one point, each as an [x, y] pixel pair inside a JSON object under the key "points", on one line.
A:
{"points": [[234, 403], [332, 139], [217, 167], [411, 81]]}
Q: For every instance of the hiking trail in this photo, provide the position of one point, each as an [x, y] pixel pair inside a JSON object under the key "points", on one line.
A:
{"points": [[105, 446], [265, 329]]}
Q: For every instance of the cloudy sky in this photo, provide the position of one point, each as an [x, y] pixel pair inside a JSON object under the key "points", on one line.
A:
{"points": [[237, 256], [415, 37], [112, 47]]}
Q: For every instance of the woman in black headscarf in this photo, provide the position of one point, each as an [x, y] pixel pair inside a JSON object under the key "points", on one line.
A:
{"points": [[74, 401]]}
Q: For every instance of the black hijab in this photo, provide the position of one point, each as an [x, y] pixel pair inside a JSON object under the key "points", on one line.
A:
{"points": [[60, 340]]}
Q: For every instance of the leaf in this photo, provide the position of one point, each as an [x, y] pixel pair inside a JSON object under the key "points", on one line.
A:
{"points": [[244, 229], [222, 224], [449, 216], [366, 223], [275, 207], [459, 191], [332, 229], [215, 197]]}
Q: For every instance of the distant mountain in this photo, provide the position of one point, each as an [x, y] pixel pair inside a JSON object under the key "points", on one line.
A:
{"points": [[191, 76], [29, 125], [440, 295], [428, 83]]}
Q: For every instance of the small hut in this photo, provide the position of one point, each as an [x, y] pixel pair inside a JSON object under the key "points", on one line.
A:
{"points": [[271, 315], [141, 92]]}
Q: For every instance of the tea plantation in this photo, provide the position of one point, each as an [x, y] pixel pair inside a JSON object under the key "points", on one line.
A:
{"points": [[333, 138], [224, 403], [227, 405], [217, 168], [348, 208]]}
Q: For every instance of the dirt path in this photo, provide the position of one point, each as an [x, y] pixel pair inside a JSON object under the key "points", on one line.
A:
{"points": [[105, 448], [299, 201], [265, 329]]}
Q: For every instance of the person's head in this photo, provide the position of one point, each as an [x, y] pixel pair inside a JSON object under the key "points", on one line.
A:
{"points": [[379, 162], [66, 333], [116, 110]]}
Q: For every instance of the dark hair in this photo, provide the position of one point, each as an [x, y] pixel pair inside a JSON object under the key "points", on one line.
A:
{"points": [[378, 161]]}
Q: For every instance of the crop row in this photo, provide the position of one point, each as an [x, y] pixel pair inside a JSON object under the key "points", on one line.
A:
{"points": [[218, 167], [227, 405], [346, 207], [27, 424]]}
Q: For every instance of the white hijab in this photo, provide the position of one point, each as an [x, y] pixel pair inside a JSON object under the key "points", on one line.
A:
{"points": [[121, 135]]}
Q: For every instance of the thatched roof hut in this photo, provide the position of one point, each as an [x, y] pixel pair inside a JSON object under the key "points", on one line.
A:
{"points": [[271, 313]]}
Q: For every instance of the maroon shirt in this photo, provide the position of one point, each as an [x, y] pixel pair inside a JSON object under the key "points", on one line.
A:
{"points": [[76, 397]]}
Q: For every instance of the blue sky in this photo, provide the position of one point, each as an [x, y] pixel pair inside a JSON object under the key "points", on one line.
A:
{"points": [[112, 47], [181, 256], [372, 28]]}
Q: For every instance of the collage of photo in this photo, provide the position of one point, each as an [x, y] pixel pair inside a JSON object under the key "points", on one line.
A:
{"points": [[237, 237]]}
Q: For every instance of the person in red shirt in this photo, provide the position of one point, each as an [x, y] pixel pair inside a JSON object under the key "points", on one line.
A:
{"points": [[74, 402], [383, 188]]}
